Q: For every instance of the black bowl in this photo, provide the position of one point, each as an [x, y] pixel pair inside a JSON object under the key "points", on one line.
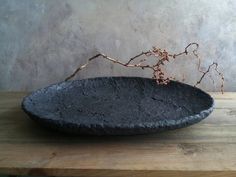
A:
{"points": [[117, 106]]}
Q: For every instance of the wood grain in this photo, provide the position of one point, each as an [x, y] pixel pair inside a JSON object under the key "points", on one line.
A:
{"points": [[204, 149]]}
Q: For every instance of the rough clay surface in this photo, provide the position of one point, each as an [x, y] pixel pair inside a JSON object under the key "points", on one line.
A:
{"points": [[117, 106]]}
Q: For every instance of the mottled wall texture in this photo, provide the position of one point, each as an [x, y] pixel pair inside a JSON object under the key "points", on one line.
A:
{"points": [[43, 41]]}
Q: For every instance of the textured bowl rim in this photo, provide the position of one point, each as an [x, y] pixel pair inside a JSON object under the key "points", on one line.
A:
{"points": [[161, 124]]}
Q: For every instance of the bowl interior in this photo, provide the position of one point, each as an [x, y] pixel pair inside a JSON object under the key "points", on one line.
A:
{"points": [[116, 101]]}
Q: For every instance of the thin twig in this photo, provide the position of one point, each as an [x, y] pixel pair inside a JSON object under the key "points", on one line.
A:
{"points": [[162, 57], [207, 71]]}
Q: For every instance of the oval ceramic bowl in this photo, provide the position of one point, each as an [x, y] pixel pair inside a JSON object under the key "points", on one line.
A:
{"points": [[117, 106]]}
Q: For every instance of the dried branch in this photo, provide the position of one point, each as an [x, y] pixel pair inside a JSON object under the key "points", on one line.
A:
{"points": [[207, 71], [162, 57]]}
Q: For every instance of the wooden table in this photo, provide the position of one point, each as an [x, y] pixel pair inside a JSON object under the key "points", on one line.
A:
{"points": [[205, 149]]}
